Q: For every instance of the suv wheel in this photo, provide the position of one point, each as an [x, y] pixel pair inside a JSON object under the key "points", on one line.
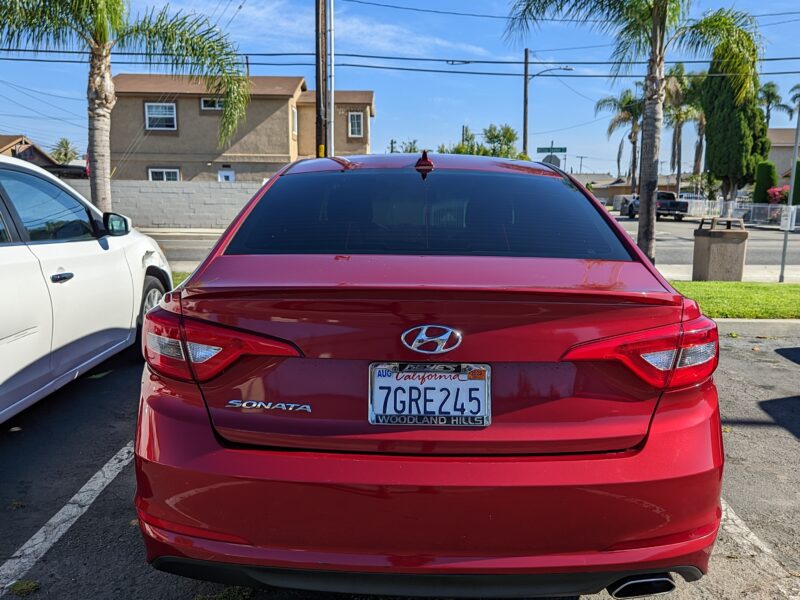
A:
{"points": [[631, 212], [152, 292]]}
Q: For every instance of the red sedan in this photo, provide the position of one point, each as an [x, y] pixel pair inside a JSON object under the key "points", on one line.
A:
{"points": [[445, 376]]}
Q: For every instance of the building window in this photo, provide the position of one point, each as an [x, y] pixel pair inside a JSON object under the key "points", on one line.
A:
{"points": [[160, 115], [355, 124], [212, 103], [160, 174], [226, 176], [294, 120]]}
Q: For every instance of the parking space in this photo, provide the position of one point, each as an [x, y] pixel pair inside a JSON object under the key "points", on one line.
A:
{"points": [[48, 452]]}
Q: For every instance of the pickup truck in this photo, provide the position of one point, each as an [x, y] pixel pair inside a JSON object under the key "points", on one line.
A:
{"points": [[667, 204]]}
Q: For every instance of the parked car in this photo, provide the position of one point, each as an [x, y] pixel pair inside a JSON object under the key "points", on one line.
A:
{"points": [[667, 205], [447, 375], [76, 283]]}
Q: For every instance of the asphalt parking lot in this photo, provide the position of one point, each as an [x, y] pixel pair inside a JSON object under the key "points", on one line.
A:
{"points": [[48, 452]]}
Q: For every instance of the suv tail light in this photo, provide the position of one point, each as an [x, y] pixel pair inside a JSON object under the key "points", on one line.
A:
{"points": [[673, 356], [188, 349]]}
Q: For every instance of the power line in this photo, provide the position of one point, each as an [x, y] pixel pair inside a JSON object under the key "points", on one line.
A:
{"points": [[453, 13], [42, 92], [449, 61]]}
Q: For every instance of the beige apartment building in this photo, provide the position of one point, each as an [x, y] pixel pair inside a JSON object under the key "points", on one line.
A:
{"points": [[164, 128], [782, 151]]}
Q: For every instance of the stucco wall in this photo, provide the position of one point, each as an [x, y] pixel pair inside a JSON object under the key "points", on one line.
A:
{"points": [[344, 144], [782, 157], [187, 204], [261, 145]]}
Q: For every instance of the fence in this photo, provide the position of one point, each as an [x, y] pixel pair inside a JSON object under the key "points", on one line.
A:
{"points": [[184, 204], [749, 212]]}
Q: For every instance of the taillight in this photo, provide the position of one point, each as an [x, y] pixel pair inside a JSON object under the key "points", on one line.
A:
{"points": [[189, 349], [672, 356]]}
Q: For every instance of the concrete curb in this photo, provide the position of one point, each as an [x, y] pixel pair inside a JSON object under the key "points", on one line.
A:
{"points": [[760, 327]]}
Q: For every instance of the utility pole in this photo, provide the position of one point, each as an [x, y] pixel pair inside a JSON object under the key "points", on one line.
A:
{"points": [[332, 111], [392, 144], [525, 107], [580, 168], [527, 79], [792, 188], [322, 77]]}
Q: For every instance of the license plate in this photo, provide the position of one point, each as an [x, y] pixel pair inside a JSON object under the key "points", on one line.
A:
{"points": [[454, 395]]}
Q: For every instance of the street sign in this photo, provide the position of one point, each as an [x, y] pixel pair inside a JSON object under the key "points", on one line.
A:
{"points": [[551, 149]]}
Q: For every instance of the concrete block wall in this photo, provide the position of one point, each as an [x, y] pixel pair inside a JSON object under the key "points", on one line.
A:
{"points": [[185, 204]]}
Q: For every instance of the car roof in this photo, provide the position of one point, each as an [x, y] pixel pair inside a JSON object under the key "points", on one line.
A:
{"points": [[408, 161]]}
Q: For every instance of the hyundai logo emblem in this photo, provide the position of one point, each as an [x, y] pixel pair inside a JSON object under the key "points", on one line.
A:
{"points": [[431, 339]]}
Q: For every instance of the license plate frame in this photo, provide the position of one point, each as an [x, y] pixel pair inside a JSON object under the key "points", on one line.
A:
{"points": [[462, 370]]}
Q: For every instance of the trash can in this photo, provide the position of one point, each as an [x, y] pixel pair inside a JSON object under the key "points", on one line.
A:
{"points": [[719, 249]]}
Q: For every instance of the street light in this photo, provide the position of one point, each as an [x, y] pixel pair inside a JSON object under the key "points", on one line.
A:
{"points": [[528, 79]]}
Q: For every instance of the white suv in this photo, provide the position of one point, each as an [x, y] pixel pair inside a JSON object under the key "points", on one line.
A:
{"points": [[75, 284]]}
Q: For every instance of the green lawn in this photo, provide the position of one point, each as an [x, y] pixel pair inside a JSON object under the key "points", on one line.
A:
{"points": [[720, 299], [734, 299]]}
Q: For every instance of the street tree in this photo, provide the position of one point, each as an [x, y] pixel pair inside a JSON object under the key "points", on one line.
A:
{"points": [[409, 146], [651, 29], [64, 152], [500, 140], [677, 112], [694, 98], [736, 132], [766, 178], [183, 43], [770, 99], [627, 110], [795, 95]]}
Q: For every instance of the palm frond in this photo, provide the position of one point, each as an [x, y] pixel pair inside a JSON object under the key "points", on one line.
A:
{"points": [[188, 44], [732, 36], [39, 24], [601, 15]]}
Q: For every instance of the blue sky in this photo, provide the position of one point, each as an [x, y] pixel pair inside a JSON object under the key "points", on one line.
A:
{"points": [[430, 108]]}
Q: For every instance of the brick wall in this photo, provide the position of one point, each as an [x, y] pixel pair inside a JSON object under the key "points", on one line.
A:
{"points": [[186, 204]]}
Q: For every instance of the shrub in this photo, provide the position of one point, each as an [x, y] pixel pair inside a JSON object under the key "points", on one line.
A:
{"points": [[766, 178], [778, 195]]}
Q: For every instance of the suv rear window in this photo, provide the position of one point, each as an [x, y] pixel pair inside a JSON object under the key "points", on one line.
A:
{"points": [[454, 213]]}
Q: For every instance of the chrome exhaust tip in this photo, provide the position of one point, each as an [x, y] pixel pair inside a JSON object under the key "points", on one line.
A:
{"points": [[641, 586]]}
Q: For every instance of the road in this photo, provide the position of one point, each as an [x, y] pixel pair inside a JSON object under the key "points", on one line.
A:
{"points": [[674, 244], [48, 452]]}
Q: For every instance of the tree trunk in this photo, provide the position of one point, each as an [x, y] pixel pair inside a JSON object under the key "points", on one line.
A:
{"points": [[698, 147], [634, 139], [101, 96], [651, 142], [678, 156]]}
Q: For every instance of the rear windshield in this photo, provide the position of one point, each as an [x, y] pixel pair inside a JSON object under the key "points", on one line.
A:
{"points": [[451, 213]]}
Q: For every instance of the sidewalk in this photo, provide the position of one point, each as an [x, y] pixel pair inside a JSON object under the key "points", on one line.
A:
{"points": [[759, 273]]}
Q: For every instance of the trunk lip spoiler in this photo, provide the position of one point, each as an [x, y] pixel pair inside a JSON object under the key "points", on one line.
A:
{"points": [[543, 294]]}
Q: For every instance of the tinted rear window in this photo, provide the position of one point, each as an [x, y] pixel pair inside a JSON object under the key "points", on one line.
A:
{"points": [[454, 213]]}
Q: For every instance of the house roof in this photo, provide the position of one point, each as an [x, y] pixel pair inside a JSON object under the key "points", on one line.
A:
{"points": [[781, 136], [21, 143], [146, 83], [343, 97], [6, 141]]}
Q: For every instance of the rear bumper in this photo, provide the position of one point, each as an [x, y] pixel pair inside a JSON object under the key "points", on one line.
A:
{"points": [[304, 517], [460, 586]]}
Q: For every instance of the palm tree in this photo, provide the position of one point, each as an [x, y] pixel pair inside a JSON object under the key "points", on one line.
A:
{"points": [[627, 110], [184, 43], [677, 112], [795, 95], [64, 152], [693, 98], [650, 29], [770, 99]]}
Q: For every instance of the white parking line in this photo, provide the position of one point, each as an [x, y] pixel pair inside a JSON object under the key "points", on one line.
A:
{"points": [[759, 553], [31, 551]]}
